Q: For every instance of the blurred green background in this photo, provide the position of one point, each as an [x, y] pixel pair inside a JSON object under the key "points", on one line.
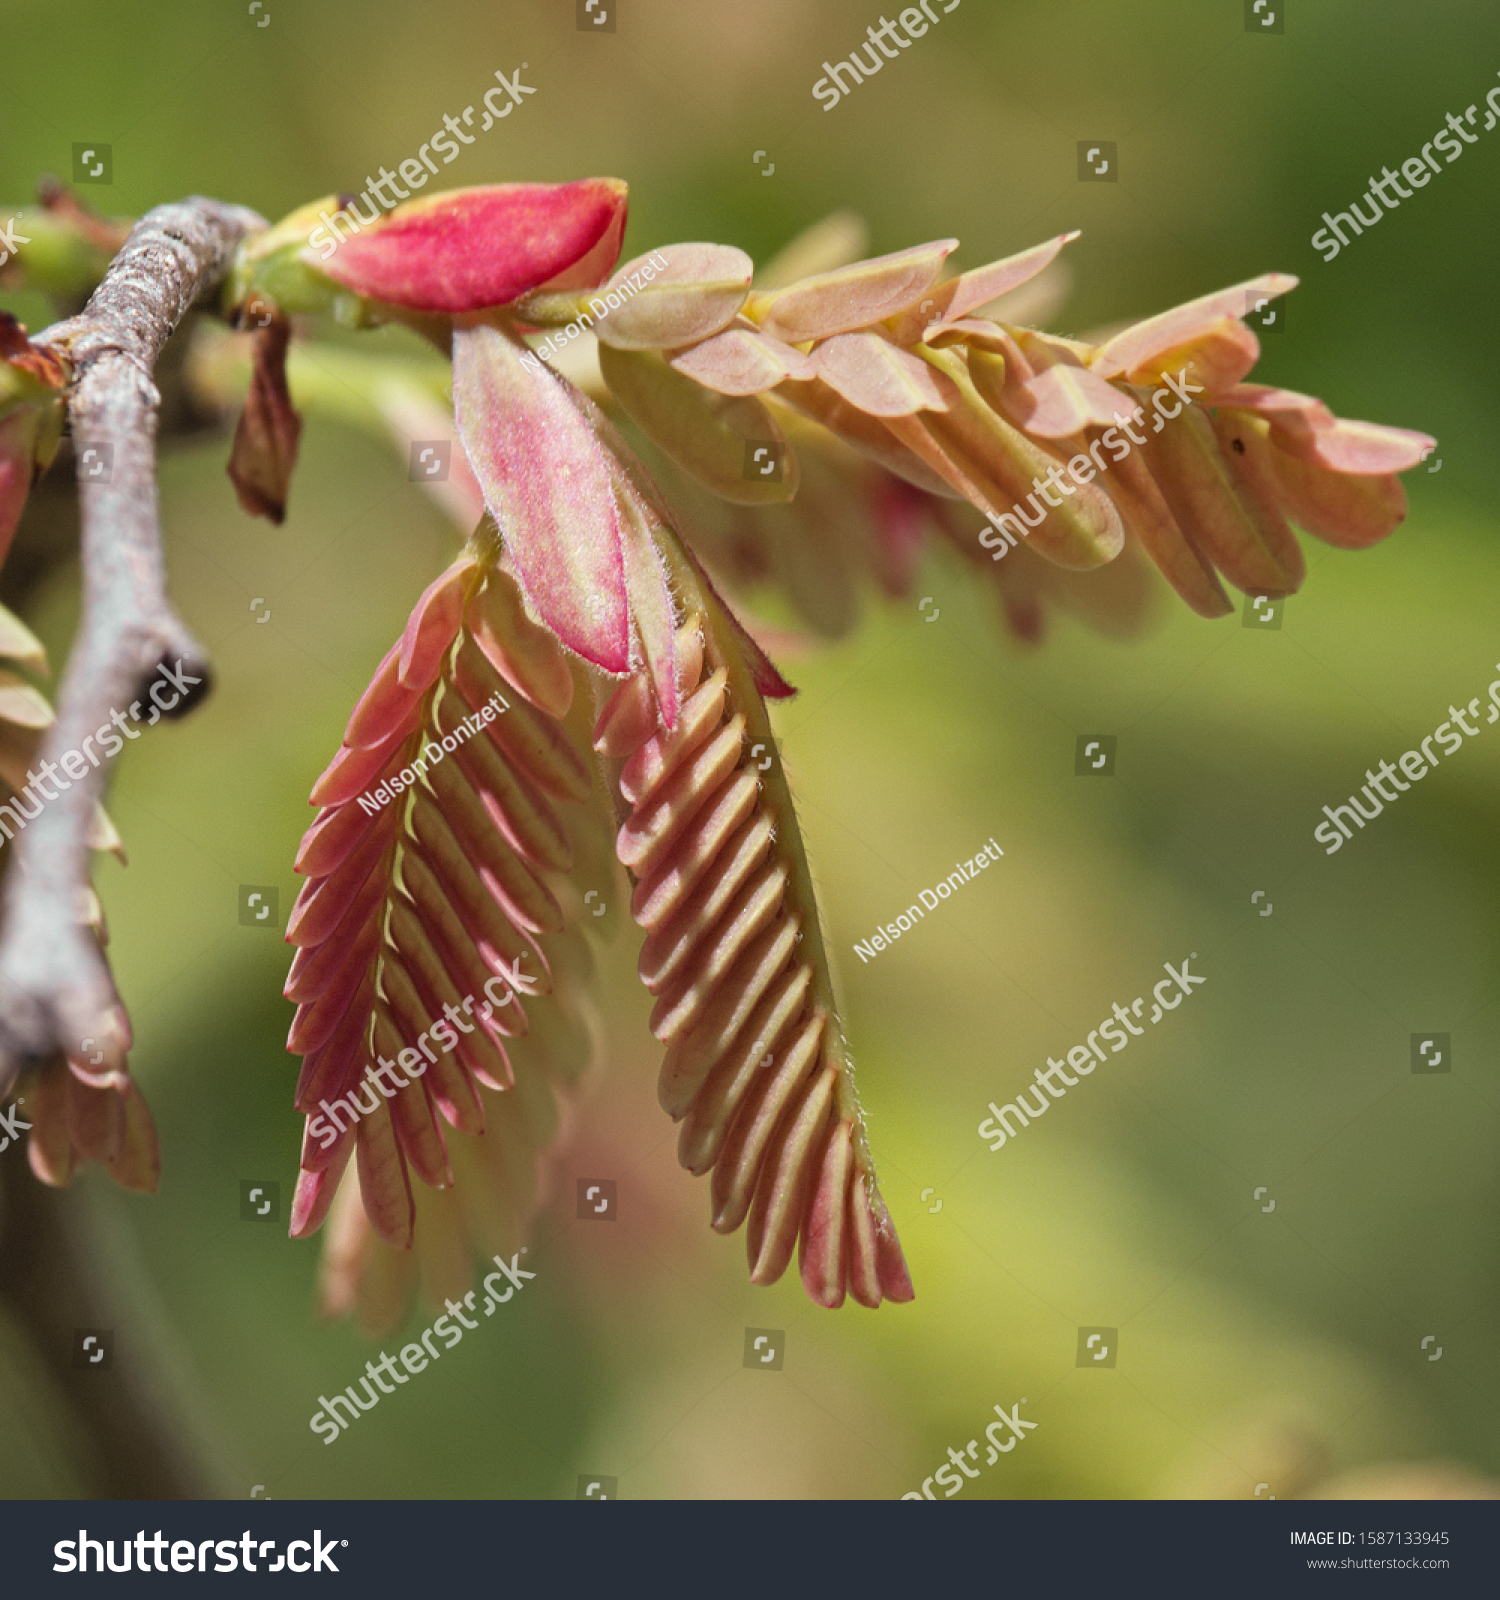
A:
{"points": [[1255, 1348]]}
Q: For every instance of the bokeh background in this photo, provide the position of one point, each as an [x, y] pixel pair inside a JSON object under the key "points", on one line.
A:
{"points": [[1271, 1352]]}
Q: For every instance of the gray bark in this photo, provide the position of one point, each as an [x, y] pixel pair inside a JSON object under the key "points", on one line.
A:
{"points": [[55, 986]]}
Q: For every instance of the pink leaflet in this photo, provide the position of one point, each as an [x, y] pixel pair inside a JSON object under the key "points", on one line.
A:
{"points": [[1130, 350], [740, 361], [1067, 399], [547, 483], [971, 290], [383, 705], [432, 627], [877, 376], [1366, 449], [1305, 427], [852, 297]]}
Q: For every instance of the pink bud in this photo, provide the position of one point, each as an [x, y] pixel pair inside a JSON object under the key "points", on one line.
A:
{"points": [[17, 432], [466, 249]]}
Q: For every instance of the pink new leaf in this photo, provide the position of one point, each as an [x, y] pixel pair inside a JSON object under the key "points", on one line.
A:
{"points": [[547, 484]]}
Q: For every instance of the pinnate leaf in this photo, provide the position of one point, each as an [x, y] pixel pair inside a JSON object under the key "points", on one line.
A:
{"points": [[429, 895], [755, 1066]]}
